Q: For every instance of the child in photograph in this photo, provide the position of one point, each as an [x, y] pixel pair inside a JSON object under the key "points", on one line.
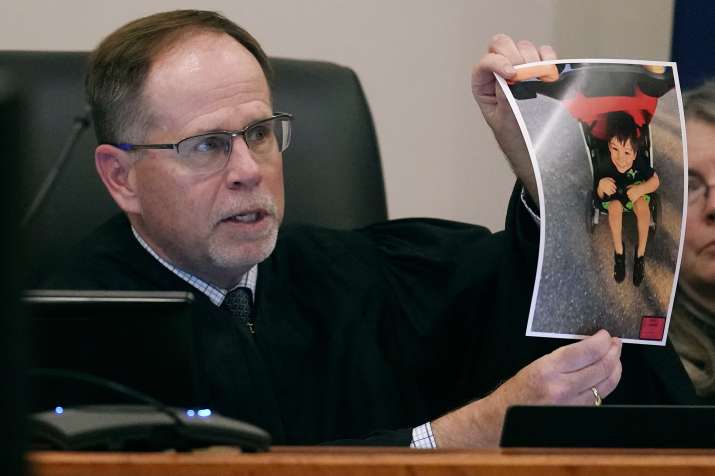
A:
{"points": [[596, 142], [625, 185]]}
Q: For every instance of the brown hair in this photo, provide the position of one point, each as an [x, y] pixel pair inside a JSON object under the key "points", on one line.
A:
{"points": [[118, 67], [699, 103]]}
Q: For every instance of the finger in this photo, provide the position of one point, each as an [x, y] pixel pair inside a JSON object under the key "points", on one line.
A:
{"points": [[585, 378], [528, 51], [604, 388], [543, 72], [607, 386], [503, 45], [483, 74], [547, 53], [581, 354]]}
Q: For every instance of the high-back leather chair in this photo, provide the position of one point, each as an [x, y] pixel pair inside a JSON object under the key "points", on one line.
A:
{"points": [[332, 169]]}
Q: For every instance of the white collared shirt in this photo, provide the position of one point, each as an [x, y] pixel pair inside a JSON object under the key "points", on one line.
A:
{"points": [[215, 294]]}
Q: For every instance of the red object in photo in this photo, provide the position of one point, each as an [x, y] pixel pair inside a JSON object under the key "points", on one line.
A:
{"points": [[652, 327], [593, 110]]}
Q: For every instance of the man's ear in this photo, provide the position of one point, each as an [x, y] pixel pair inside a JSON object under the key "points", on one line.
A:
{"points": [[115, 168]]}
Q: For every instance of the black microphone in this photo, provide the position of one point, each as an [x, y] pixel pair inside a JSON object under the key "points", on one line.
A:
{"points": [[79, 125]]}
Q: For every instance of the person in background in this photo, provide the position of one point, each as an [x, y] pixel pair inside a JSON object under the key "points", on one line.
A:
{"points": [[692, 327]]}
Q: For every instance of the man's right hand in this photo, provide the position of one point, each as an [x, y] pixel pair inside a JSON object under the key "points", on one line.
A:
{"points": [[606, 187], [563, 377]]}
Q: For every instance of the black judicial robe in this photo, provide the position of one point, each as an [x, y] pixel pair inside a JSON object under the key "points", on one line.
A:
{"points": [[362, 335]]}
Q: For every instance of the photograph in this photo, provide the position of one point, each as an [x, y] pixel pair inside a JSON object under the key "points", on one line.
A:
{"points": [[606, 140]]}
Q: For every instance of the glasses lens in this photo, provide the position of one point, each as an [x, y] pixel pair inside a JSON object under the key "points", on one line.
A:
{"points": [[696, 188], [284, 130], [209, 152], [205, 152], [269, 136]]}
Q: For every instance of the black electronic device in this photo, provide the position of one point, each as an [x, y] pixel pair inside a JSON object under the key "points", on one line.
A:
{"points": [[609, 426], [140, 428], [142, 340], [95, 354]]}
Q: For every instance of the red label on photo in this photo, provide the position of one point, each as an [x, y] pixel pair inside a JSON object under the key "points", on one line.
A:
{"points": [[652, 327]]}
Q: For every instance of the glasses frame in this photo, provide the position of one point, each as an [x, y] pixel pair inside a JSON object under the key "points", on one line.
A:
{"points": [[242, 132], [695, 198]]}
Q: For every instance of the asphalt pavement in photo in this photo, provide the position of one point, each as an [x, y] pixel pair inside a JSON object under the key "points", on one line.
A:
{"points": [[576, 290]]}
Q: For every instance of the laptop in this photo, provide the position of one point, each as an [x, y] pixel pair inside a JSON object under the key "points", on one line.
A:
{"points": [[609, 426], [80, 342]]}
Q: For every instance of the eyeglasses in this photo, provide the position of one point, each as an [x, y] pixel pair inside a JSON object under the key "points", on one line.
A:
{"points": [[698, 190], [210, 152]]}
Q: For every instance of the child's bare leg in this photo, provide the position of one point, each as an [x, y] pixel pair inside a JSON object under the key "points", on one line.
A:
{"points": [[615, 222], [642, 211]]}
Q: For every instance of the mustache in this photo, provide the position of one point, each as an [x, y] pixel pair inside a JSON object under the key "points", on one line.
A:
{"points": [[245, 204]]}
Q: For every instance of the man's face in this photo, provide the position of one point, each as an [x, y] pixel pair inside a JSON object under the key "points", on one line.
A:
{"points": [[215, 225], [698, 263], [622, 154]]}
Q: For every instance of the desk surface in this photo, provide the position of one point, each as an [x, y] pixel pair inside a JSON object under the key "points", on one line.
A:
{"points": [[377, 462]]}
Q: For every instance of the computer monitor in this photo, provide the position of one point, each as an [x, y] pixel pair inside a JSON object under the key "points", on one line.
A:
{"points": [[118, 336], [609, 426]]}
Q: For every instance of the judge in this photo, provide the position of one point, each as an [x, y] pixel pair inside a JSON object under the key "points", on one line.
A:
{"points": [[391, 334]]}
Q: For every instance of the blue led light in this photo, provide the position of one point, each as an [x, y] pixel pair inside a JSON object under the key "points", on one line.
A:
{"points": [[190, 413], [204, 412], [59, 410]]}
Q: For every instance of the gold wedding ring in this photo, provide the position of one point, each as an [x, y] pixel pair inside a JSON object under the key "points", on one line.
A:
{"points": [[597, 400]]}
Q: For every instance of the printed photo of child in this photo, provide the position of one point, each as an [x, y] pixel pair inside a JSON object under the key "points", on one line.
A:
{"points": [[604, 136]]}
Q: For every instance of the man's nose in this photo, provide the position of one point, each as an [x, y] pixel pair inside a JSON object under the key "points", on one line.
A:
{"points": [[242, 169]]}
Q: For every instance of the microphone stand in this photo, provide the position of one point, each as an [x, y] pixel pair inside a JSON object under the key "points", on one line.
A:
{"points": [[79, 124]]}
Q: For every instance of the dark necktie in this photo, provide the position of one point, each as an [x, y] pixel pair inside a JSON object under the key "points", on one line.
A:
{"points": [[239, 303]]}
